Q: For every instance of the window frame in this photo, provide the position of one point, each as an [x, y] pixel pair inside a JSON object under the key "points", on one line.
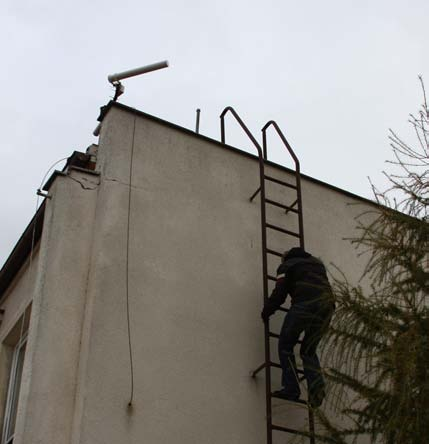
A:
{"points": [[14, 388]]}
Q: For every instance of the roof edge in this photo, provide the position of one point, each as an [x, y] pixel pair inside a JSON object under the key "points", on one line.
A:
{"points": [[29, 238], [106, 108]]}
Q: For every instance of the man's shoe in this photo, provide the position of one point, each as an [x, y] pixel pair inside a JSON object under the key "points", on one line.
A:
{"points": [[315, 399], [283, 394]]}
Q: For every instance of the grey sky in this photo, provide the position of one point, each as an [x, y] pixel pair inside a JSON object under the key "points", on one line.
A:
{"points": [[334, 74]]}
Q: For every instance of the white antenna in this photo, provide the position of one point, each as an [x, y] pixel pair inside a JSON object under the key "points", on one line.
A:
{"points": [[115, 79]]}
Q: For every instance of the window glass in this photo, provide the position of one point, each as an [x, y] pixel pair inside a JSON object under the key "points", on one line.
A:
{"points": [[13, 391]]}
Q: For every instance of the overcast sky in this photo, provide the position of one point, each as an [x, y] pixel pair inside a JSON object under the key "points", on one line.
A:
{"points": [[335, 75]]}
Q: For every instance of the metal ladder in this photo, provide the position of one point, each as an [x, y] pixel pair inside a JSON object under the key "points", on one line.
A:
{"points": [[296, 208]]}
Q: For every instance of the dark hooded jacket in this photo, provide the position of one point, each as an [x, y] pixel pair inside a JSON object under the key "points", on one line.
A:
{"points": [[303, 277]]}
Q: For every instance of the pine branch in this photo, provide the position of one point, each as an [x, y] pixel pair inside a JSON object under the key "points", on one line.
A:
{"points": [[378, 342]]}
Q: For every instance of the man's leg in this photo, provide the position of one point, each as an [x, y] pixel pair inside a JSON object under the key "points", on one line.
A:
{"points": [[289, 335], [312, 371]]}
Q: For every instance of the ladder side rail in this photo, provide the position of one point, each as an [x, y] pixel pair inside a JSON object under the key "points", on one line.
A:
{"points": [[297, 172], [264, 259], [300, 224], [264, 143], [284, 140]]}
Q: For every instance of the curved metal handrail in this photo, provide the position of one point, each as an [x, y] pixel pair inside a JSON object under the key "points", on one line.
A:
{"points": [[282, 136], [243, 126], [297, 170], [261, 184]]}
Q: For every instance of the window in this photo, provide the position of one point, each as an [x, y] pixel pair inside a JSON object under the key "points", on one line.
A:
{"points": [[13, 390]]}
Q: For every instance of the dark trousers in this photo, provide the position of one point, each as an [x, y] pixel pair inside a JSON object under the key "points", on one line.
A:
{"points": [[312, 318]]}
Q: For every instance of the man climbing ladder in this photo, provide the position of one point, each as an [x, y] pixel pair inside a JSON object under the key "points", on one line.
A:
{"points": [[304, 278]]}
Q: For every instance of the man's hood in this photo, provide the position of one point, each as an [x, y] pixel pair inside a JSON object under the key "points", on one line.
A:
{"points": [[296, 252]]}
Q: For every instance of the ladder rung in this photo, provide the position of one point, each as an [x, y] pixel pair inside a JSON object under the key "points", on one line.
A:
{"points": [[282, 230], [277, 204], [285, 310], [280, 182], [275, 253], [276, 365], [288, 430], [298, 401], [275, 335]]}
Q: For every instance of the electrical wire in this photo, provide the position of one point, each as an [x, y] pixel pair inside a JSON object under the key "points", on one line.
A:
{"points": [[37, 206], [47, 172], [127, 269]]}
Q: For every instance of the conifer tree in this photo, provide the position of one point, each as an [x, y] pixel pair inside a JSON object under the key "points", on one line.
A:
{"points": [[379, 338]]}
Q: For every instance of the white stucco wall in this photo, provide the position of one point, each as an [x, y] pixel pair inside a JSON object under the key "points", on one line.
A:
{"points": [[195, 293], [195, 289], [48, 387]]}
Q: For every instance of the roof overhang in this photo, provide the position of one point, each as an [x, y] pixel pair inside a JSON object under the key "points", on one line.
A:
{"points": [[22, 249]]}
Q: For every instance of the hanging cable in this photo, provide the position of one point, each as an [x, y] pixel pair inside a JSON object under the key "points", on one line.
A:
{"points": [[127, 269], [37, 206]]}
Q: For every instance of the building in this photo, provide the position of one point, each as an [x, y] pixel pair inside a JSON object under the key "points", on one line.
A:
{"points": [[166, 271]]}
